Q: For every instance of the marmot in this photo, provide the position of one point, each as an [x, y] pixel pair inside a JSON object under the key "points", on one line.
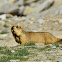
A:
{"points": [[23, 37]]}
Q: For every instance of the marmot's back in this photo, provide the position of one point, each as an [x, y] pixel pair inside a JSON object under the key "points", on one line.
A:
{"points": [[41, 37]]}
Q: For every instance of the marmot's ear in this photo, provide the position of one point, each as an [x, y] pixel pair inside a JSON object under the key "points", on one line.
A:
{"points": [[20, 27]]}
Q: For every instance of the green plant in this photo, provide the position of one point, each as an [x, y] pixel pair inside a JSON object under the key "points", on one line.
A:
{"points": [[29, 44], [22, 52], [3, 32], [56, 44]]}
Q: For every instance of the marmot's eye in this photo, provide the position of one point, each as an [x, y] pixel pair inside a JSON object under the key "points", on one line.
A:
{"points": [[17, 27]]}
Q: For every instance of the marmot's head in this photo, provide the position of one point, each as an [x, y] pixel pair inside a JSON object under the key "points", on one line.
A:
{"points": [[16, 30]]}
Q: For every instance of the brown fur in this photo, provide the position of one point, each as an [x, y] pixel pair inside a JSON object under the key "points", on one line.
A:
{"points": [[23, 37]]}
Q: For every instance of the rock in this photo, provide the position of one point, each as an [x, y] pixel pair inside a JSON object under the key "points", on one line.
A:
{"points": [[34, 27], [17, 60], [54, 47], [3, 16], [29, 1], [61, 48], [12, 51], [34, 31], [60, 20], [19, 2], [29, 10], [21, 10], [40, 21], [34, 15], [53, 54], [11, 1], [41, 61], [44, 5], [3, 35], [41, 55], [39, 45], [4, 1], [60, 10], [50, 52], [38, 8], [8, 8], [25, 56], [48, 60], [58, 2], [59, 59], [50, 45]]}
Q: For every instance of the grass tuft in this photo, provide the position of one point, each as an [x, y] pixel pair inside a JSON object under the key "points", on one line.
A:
{"points": [[56, 44], [1, 39], [8, 55], [3, 32], [30, 44]]}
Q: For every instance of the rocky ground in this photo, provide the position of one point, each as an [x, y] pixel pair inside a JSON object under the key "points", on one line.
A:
{"points": [[35, 16]]}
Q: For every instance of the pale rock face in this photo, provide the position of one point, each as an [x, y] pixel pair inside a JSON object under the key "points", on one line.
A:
{"points": [[29, 10], [4, 1], [8, 8], [3, 16]]}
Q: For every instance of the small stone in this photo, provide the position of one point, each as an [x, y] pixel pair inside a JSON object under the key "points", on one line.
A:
{"points": [[39, 45], [40, 21], [41, 55], [34, 31], [3, 35], [61, 48], [52, 54], [17, 60], [50, 45], [12, 51], [54, 47], [25, 56]]}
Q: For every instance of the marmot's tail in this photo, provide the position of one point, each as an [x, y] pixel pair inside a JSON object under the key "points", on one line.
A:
{"points": [[58, 39]]}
